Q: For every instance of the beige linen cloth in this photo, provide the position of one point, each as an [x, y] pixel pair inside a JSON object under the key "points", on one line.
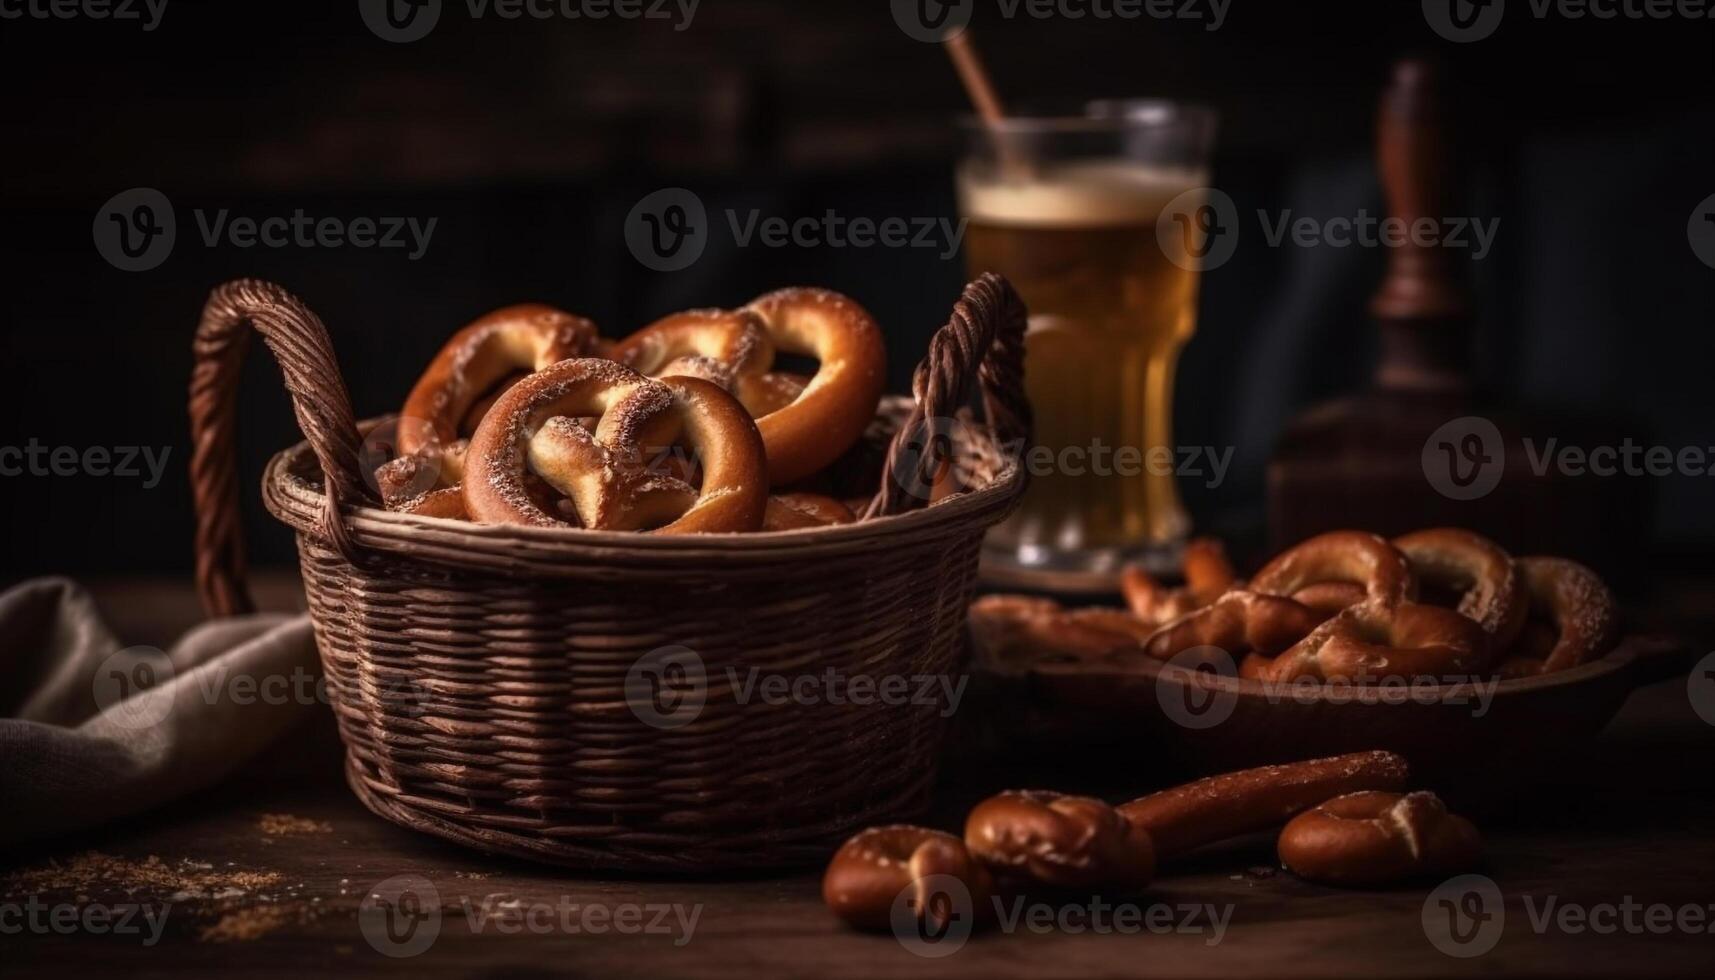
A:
{"points": [[81, 744]]}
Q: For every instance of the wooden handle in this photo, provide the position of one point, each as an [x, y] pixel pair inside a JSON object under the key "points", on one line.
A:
{"points": [[300, 343], [983, 342], [1413, 152]]}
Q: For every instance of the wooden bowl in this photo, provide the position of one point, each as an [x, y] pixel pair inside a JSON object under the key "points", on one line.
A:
{"points": [[1470, 741]]}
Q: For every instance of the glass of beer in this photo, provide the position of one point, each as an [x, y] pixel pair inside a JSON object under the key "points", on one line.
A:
{"points": [[1078, 212]]}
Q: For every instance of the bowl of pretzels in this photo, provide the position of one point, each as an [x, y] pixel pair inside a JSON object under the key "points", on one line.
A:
{"points": [[1436, 644], [534, 585]]}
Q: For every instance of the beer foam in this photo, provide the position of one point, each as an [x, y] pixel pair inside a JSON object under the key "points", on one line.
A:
{"points": [[1112, 192]]}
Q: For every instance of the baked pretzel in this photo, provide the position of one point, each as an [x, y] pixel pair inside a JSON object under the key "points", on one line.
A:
{"points": [[804, 427], [1578, 607], [1339, 556], [486, 354], [795, 511], [534, 428], [1060, 841], [1238, 622], [1207, 573], [1218, 808], [1490, 584], [1328, 598], [870, 871], [1375, 838], [1376, 640], [1018, 627]]}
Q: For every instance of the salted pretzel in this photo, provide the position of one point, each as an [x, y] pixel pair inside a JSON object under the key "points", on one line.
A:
{"points": [[1059, 841], [795, 511], [489, 353], [1377, 838], [1207, 573], [1218, 808], [804, 426], [1379, 640], [870, 871], [534, 428], [1238, 622], [1490, 584], [1580, 612], [1340, 556]]}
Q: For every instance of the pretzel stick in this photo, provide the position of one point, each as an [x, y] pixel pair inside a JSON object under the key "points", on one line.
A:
{"points": [[1220, 807]]}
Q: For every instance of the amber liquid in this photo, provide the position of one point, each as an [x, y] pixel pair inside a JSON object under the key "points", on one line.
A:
{"points": [[1109, 314]]}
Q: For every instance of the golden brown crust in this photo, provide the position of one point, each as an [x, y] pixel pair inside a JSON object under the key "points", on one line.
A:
{"points": [[1490, 584], [1379, 838], [484, 355], [1577, 602], [1340, 556], [870, 872], [1058, 840], [1218, 808], [1238, 622], [795, 511], [805, 423], [1375, 641], [533, 428]]}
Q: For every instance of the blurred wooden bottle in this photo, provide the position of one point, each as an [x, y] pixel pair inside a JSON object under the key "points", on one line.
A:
{"points": [[1420, 446]]}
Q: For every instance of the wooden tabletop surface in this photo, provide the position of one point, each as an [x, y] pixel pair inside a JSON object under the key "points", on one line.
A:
{"points": [[1605, 872]]}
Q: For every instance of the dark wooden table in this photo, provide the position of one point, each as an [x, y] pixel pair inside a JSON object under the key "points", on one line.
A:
{"points": [[266, 875]]}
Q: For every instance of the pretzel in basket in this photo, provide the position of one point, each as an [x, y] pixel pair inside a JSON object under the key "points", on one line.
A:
{"points": [[1059, 840], [1378, 838], [471, 370], [805, 423], [534, 428]]}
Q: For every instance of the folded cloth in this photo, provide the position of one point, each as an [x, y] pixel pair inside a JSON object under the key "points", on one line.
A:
{"points": [[91, 730]]}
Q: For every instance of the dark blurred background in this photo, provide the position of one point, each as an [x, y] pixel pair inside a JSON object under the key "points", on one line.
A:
{"points": [[529, 141]]}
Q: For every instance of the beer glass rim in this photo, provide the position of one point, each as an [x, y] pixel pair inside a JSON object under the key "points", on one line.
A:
{"points": [[1100, 115]]}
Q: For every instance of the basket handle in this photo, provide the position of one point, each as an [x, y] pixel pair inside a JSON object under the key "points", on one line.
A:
{"points": [[983, 342], [300, 343]]}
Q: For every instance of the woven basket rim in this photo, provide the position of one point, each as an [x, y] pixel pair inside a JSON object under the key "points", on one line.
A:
{"points": [[299, 503]]}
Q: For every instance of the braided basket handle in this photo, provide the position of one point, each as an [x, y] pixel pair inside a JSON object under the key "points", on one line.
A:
{"points": [[300, 343], [982, 342]]}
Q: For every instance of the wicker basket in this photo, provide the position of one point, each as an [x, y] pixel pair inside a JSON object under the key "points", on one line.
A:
{"points": [[493, 684]]}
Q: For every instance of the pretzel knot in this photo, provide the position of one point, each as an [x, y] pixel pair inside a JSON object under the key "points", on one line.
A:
{"points": [[806, 422], [1374, 838], [1060, 841], [873, 869], [610, 476], [1379, 640]]}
